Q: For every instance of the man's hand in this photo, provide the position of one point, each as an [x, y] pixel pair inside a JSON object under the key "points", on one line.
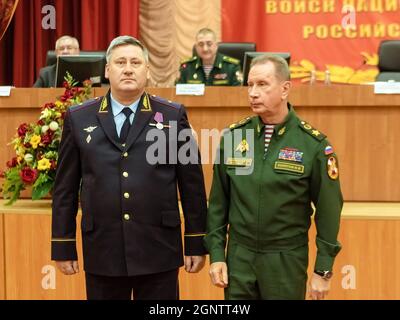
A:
{"points": [[194, 264], [219, 274], [68, 267], [319, 287]]}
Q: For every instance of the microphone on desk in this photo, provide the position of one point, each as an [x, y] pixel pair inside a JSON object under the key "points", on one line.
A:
{"points": [[364, 62]]}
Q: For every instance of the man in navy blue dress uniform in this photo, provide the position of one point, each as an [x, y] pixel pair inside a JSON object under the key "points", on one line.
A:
{"points": [[131, 225]]}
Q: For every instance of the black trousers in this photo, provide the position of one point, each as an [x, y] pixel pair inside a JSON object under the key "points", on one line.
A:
{"points": [[159, 286]]}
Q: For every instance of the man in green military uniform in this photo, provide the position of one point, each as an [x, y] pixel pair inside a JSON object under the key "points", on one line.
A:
{"points": [[210, 67], [271, 168]]}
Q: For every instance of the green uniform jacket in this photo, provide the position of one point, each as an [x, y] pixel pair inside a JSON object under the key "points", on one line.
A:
{"points": [[226, 72], [270, 208]]}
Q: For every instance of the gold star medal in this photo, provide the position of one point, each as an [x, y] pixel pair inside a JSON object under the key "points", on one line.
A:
{"points": [[333, 169], [243, 146]]}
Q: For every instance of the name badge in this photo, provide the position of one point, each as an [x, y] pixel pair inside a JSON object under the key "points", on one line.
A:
{"points": [[239, 162], [289, 167]]}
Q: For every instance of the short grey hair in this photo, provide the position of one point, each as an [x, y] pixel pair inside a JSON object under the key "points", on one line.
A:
{"points": [[123, 41], [204, 31], [282, 71], [65, 38]]}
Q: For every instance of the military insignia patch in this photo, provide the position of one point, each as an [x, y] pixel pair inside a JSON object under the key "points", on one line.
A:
{"points": [[104, 105], [243, 146], [333, 169], [221, 76], [146, 104], [90, 129], [307, 126], [282, 131], [328, 150], [290, 154], [316, 133]]}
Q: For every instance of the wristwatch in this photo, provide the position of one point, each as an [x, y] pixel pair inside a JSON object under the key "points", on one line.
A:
{"points": [[326, 275]]}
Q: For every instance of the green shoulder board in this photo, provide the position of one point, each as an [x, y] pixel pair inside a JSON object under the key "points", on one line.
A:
{"points": [[189, 60], [240, 123], [231, 60], [312, 131]]}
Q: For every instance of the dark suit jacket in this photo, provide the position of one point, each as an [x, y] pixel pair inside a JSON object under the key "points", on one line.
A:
{"points": [[47, 77], [131, 220]]}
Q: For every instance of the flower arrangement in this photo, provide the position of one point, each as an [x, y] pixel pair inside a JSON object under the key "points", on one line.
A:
{"points": [[36, 146]]}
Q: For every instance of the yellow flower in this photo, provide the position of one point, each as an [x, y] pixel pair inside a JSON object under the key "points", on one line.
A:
{"points": [[58, 104], [44, 164], [35, 140]]}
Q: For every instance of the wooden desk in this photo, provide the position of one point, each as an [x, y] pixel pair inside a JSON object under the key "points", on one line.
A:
{"points": [[362, 127], [370, 235]]}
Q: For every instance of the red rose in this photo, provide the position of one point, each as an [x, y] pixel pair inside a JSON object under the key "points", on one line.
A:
{"points": [[53, 165], [28, 175], [12, 163], [65, 84], [41, 122], [27, 145], [23, 129], [46, 139], [50, 105]]}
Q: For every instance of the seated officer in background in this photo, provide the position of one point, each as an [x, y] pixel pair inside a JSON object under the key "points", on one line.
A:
{"points": [[65, 46], [264, 185], [210, 67]]}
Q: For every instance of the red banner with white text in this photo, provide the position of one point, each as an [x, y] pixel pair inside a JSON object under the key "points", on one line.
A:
{"points": [[342, 36]]}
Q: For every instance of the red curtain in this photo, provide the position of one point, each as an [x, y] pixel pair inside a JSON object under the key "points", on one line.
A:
{"points": [[93, 22], [7, 8]]}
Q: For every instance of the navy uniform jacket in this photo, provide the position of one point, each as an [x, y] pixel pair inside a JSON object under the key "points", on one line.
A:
{"points": [[47, 77], [130, 215]]}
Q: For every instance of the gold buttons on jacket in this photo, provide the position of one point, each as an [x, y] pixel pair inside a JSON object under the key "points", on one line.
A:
{"points": [[126, 195], [127, 217], [125, 174], [125, 155]]}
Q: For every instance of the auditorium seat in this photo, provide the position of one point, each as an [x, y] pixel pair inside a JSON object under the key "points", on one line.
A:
{"points": [[389, 60]]}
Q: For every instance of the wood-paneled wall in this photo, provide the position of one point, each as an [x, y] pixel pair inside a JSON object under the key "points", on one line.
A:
{"points": [[362, 127], [370, 235]]}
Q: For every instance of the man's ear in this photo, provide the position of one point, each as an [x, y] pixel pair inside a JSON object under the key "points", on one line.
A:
{"points": [[148, 72], [286, 86], [106, 71]]}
